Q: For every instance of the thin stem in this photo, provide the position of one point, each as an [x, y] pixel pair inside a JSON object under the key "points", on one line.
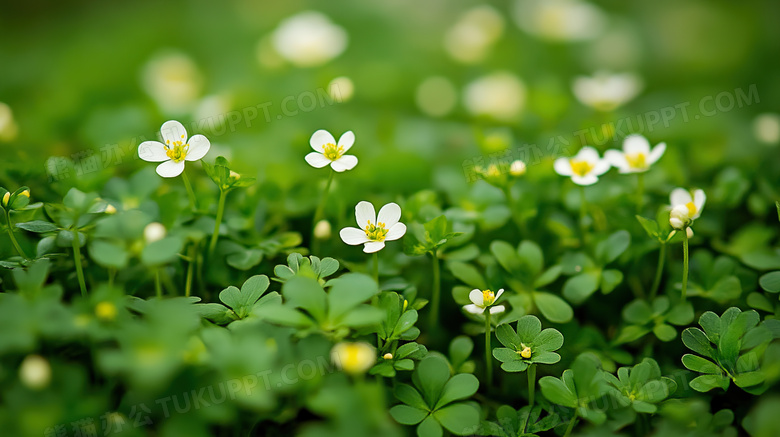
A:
{"points": [[685, 265], [435, 297], [157, 284], [190, 269], [190, 192], [323, 200], [658, 271], [531, 384], [640, 191], [583, 213], [220, 212], [571, 424], [510, 203], [13, 238], [77, 259], [111, 275], [376, 267], [488, 360]]}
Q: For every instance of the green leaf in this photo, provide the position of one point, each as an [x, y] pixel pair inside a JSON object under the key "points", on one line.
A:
{"points": [[611, 248], [549, 276], [507, 336], [408, 395], [460, 386], [637, 312], [528, 327], [460, 349], [769, 282], [283, 315], [348, 291], [405, 322], [610, 279], [328, 266], [406, 415], [549, 339], [749, 379], [650, 226], [429, 428], [506, 256], [706, 383], [244, 259], [306, 293], [37, 226], [468, 274], [697, 341], [431, 375], [459, 418], [162, 251], [578, 288], [108, 254], [664, 332], [556, 392], [699, 364], [531, 256], [552, 307]]}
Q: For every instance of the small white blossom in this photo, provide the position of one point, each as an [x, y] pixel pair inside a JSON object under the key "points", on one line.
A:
{"points": [[560, 20], [636, 156], [606, 92], [498, 95], [328, 151], [584, 168], [175, 151], [309, 39], [374, 230], [35, 372], [684, 207], [154, 232], [484, 299], [354, 358]]}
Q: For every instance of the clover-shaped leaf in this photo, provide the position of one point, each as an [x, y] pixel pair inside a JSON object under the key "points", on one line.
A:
{"points": [[578, 388], [641, 386], [656, 317], [529, 345], [240, 302]]}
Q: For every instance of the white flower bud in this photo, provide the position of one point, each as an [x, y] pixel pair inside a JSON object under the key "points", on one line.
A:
{"points": [[689, 232], [154, 232], [679, 218], [322, 230], [517, 168], [354, 358], [35, 372]]}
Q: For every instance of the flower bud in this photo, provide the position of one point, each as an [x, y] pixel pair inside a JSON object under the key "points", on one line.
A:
{"points": [[679, 218], [25, 193], [235, 176], [6, 198], [388, 356], [322, 230], [110, 209], [35, 372], [689, 232], [154, 232], [354, 358], [517, 168], [526, 352], [105, 311]]}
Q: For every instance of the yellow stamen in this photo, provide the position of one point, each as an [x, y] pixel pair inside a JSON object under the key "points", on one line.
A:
{"points": [[580, 168], [691, 209], [376, 232], [488, 297], [637, 160], [332, 151], [178, 151]]}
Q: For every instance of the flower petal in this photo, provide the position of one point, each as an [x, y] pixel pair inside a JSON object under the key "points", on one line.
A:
{"points": [[353, 236], [395, 232], [588, 154], [497, 309], [636, 144], [373, 246], [347, 140], [317, 160], [170, 169], [600, 167], [473, 309], [498, 294], [656, 153], [152, 151], [319, 139], [617, 159], [680, 196], [476, 297], [365, 214], [172, 131], [562, 166], [199, 147], [346, 162], [586, 180], [389, 215], [698, 199]]}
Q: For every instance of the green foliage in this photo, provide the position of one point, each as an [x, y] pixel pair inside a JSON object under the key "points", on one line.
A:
{"points": [[578, 388], [540, 345], [642, 387]]}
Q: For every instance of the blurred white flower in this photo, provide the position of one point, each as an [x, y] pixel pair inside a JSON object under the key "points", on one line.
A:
{"points": [[484, 299], [636, 156], [354, 358], [35, 372], [322, 230], [175, 151], [173, 81], [8, 127], [211, 110], [374, 230], [766, 128], [341, 89], [517, 168], [499, 95], [684, 207], [471, 37], [154, 232], [584, 168], [606, 92], [309, 39], [436, 96], [560, 20], [328, 151]]}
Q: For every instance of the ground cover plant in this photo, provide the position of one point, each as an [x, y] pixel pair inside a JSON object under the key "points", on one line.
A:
{"points": [[532, 218]]}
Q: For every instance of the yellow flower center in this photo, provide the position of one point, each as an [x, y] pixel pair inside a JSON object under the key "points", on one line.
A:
{"points": [[332, 151], [637, 160], [376, 232], [105, 311], [525, 352], [580, 168], [177, 150], [488, 297], [691, 209]]}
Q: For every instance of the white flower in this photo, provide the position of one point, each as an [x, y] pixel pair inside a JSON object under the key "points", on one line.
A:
{"points": [[766, 128], [322, 230], [8, 127], [499, 95], [341, 89], [374, 230], [328, 151], [175, 151], [584, 168], [173, 81], [636, 156], [483, 299], [517, 168], [436, 96], [35, 372], [309, 39], [154, 232], [471, 37], [606, 92], [685, 208], [354, 358], [560, 20]]}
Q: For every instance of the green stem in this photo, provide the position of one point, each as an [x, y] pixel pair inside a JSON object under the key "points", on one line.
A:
{"points": [[77, 260], [435, 296], [13, 238], [685, 264], [376, 267], [531, 384], [323, 200], [220, 212], [658, 271], [488, 359], [583, 213], [157, 284], [571, 425], [111, 275], [640, 191], [190, 269], [190, 192]]}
